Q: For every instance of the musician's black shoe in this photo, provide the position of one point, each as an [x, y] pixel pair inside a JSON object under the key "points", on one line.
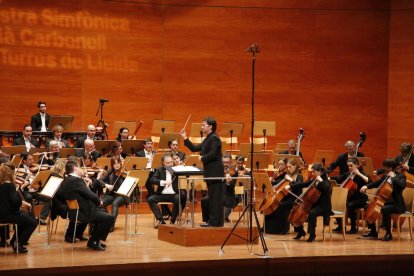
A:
{"points": [[161, 221], [352, 231], [311, 238], [337, 229], [82, 238], [69, 239], [371, 235], [172, 221], [206, 225], [102, 244], [387, 237], [167, 217], [227, 219], [4, 244], [300, 234], [19, 249], [95, 245]]}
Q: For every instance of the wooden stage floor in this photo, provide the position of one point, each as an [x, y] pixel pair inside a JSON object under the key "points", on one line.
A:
{"points": [[146, 250]]}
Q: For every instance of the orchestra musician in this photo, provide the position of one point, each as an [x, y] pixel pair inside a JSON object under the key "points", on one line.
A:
{"points": [[26, 139], [322, 206], [4, 230], [230, 199], [292, 148], [74, 188], [11, 205], [123, 134], [89, 148], [40, 120], [53, 154], [57, 136], [406, 155], [357, 199], [148, 152], [277, 222], [210, 155], [112, 181], [117, 151], [342, 159], [173, 145], [90, 134], [395, 205], [167, 190]]}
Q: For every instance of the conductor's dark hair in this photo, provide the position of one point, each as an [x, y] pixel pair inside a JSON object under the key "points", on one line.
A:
{"points": [[211, 122], [390, 163], [40, 103]]}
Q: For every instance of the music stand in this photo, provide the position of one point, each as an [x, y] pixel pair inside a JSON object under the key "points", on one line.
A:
{"points": [[104, 146], [166, 137], [368, 168], [156, 160], [245, 148], [196, 131], [142, 175], [120, 124], [65, 152], [104, 163], [325, 157], [135, 163], [163, 126], [12, 150], [263, 182], [51, 186], [265, 129], [16, 159], [193, 160], [40, 179], [260, 160], [132, 146], [127, 186], [279, 156], [37, 151], [64, 120], [232, 130], [281, 147]]}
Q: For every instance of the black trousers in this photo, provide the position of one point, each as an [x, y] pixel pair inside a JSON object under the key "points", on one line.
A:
{"points": [[80, 229], [102, 224], [155, 198], [387, 210], [277, 222], [212, 206], [314, 213], [116, 201], [352, 206], [26, 224]]}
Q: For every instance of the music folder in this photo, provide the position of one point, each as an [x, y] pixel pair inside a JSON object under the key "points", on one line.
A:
{"points": [[51, 186], [127, 186]]}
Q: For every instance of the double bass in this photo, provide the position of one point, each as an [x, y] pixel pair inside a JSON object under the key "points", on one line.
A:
{"points": [[303, 204]]}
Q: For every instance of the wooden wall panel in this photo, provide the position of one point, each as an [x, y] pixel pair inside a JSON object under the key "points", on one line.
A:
{"points": [[323, 66]]}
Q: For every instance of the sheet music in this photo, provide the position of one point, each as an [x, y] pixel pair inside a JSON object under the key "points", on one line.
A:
{"points": [[185, 169], [127, 186], [51, 186]]}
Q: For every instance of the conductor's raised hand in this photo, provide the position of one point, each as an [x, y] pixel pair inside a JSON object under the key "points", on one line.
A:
{"points": [[183, 134]]}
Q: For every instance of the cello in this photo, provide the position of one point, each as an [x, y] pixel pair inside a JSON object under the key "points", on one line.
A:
{"points": [[349, 181], [303, 204], [381, 195], [272, 201]]}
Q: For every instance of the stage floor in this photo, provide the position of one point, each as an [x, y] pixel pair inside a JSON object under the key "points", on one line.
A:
{"points": [[146, 248]]}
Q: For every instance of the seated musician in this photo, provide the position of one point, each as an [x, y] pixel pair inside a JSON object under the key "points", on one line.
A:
{"points": [[342, 159], [395, 205], [356, 199], [53, 154], [4, 230], [11, 206], [405, 159], [74, 188], [90, 134], [148, 152], [40, 120], [167, 190], [26, 139], [322, 206], [29, 169], [89, 148], [292, 148], [123, 134], [173, 145], [57, 136], [277, 222], [112, 181], [117, 151]]}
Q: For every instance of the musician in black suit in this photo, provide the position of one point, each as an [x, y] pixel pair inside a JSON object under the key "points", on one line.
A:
{"points": [[10, 209], [74, 188], [57, 136], [148, 152], [292, 148], [167, 190], [322, 206], [26, 139], [211, 157], [40, 121], [173, 145], [342, 159], [395, 205], [89, 149], [90, 134], [405, 159]]}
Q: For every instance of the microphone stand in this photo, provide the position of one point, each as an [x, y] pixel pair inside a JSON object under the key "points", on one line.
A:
{"points": [[249, 209]]}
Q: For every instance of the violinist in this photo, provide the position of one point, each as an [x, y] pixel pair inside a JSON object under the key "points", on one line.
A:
{"points": [[26, 139], [40, 120], [395, 205], [342, 159], [89, 148], [10, 209], [241, 166], [167, 190], [57, 136], [29, 168], [173, 145], [176, 159], [322, 206], [117, 151], [92, 174], [357, 199], [53, 154], [277, 222], [230, 199], [148, 152], [112, 181]]}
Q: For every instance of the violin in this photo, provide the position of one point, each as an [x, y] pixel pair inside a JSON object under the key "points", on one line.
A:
{"points": [[121, 172]]}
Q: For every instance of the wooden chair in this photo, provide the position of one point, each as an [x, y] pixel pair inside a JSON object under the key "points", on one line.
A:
{"points": [[17, 235], [408, 195], [239, 190], [338, 201], [73, 205]]}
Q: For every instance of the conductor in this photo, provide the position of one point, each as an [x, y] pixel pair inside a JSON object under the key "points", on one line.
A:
{"points": [[211, 157]]}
